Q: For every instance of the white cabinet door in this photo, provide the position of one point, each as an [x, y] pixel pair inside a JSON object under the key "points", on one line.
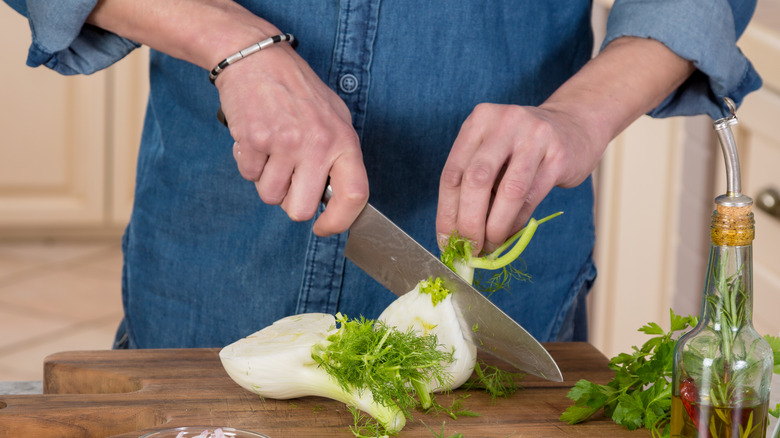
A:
{"points": [[759, 143], [53, 132], [69, 143]]}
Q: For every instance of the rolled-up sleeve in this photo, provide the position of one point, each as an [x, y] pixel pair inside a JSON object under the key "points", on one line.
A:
{"points": [[702, 31], [63, 42]]}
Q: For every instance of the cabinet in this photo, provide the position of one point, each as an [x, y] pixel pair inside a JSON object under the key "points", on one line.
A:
{"points": [[758, 137], [67, 160]]}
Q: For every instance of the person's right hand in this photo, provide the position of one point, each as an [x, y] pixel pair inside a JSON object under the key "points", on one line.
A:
{"points": [[291, 133]]}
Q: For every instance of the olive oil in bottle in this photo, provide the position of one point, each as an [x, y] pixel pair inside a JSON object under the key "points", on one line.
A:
{"points": [[723, 368]]}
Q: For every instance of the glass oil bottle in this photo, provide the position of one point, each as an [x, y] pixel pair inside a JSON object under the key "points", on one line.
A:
{"points": [[723, 368]]}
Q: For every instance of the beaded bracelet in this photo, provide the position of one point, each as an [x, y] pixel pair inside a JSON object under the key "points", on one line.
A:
{"points": [[248, 51]]}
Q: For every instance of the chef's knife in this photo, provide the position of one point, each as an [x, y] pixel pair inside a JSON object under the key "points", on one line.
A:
{"points": [[390, 256]]}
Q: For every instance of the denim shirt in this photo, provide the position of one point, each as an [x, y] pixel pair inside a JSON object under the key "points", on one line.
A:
{"points": [[206, 262]]}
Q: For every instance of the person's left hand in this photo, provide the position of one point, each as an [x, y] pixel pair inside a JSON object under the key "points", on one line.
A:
{"points": [[506, 158], [504, 161]]}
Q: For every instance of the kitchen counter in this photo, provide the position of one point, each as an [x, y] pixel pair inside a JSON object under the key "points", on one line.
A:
{"points": [[25, 387], [122, 393]]}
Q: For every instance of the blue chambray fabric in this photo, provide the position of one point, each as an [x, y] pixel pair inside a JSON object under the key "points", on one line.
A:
{"points": [[62, 42], [703, 31], [207, 263]]}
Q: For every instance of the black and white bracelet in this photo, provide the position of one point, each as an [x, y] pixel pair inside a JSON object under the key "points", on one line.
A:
{"points": [[254, 48]]}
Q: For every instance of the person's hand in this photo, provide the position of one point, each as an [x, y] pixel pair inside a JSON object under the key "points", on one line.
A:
{"points": [[506, 158], [291, 133], [504, 161]]}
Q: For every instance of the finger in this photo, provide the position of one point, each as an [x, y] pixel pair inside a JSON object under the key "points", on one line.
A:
{"points": [[511, 195], [479, 181], [250, 163], [236, 152], [274, 182], [349, 182], [451, 181], [449, 199], [500, 227], [305, 193]]}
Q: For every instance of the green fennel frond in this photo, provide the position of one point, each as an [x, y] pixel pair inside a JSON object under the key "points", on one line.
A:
{"points": [[368, 355], [435, 288], [458, 255], [441, 434], [457, 248], [455, 410], [495, 381], [365, 426], [492, 282]]}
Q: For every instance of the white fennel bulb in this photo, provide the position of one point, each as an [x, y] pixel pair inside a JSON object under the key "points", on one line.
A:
{"points": [[276, 362], [428, 310]]}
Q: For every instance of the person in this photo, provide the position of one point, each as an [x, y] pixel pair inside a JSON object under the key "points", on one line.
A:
{"points": [[470, 117]]}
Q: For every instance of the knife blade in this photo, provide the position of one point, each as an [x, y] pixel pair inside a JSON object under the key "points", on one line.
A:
{"points": [[393, 258]]}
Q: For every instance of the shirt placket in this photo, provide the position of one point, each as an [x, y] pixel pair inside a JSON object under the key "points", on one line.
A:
{"points": [[349, 77]]}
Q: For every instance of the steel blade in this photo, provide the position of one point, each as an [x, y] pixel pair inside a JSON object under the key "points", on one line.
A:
{"points": [[390, 256]]}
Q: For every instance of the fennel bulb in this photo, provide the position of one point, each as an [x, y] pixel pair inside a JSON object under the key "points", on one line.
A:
{"points": [[276, 362], [428, 309]]}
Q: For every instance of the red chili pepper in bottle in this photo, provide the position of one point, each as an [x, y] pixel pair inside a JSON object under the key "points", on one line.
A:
{"points": [[689, 395]]}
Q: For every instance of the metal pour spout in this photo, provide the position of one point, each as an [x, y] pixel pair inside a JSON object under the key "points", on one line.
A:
{"points": [[733, 196]]}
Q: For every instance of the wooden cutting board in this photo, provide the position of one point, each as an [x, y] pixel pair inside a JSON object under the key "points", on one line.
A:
{"points": [[124, 393]]}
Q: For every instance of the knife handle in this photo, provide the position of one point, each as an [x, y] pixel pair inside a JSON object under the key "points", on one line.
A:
{"points": [[328, 193], [221, 117]]}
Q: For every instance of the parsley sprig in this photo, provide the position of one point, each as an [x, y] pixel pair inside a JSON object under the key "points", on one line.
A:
{"points": [[640, 394]]}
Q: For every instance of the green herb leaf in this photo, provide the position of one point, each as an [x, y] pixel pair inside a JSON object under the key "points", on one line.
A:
{"points": [[652, 329], [776, 411], [457, 255], [629, 411], [639, 395], [774, 342], [588, 397], [365, 426]]}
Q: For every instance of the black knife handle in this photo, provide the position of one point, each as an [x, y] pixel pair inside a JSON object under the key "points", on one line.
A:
{"points": [[221, 117]]}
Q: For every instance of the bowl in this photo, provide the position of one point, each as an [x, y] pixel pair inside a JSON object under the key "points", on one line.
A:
{"points": [[197, 431]]}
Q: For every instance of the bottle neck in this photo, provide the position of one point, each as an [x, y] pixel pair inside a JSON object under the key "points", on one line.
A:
{"points": [[728, 292]]}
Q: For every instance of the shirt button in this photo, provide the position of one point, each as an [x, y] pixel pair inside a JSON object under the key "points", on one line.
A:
{"points": [[348, 83]]}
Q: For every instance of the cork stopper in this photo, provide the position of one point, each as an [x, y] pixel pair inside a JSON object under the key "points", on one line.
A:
{"points": [[732, 226]]}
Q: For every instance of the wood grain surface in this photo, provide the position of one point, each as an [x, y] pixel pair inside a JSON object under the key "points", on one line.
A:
{"points": [[126, 393]]}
